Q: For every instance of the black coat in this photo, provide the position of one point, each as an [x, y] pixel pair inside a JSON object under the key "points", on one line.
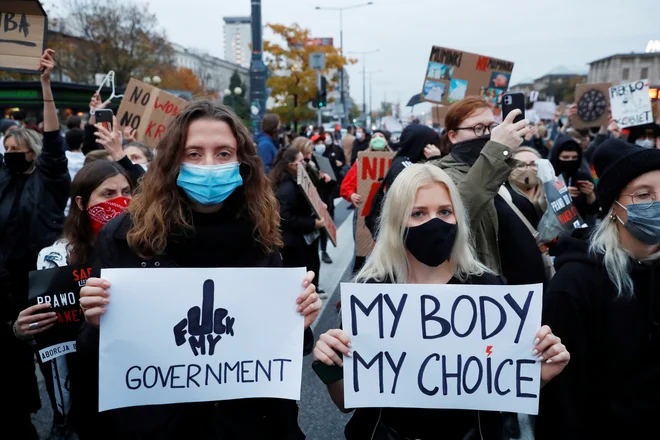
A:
{"points": [[224, 420], [41, 207], [298, 218], [610, 388]]}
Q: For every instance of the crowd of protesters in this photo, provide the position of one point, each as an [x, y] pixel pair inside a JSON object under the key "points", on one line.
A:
{"points": [[462, 205]]}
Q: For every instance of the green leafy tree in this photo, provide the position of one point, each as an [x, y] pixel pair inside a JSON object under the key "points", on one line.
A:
{"points": [[292, 81], [238, 102]]}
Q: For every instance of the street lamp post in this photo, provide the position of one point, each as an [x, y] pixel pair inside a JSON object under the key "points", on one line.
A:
{"points": [[342, 95], [364, 80], [234, 93]]}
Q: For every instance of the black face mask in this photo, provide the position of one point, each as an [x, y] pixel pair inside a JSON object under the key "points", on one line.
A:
{"points": [[569, 167], [17, 163], [468, 151], [431, 243]]}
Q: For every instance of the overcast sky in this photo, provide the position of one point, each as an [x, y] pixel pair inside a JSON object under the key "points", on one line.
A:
{"points": [[537, 35]]}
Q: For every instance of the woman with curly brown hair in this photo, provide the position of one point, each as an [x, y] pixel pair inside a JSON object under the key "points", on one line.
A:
{"points": [[205, 202]]}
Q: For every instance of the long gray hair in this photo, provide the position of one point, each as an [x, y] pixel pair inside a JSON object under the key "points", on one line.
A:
{"points": [[25, 136]]}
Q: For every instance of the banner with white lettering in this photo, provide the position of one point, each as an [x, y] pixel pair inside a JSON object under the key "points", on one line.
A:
{"points": [[196, 335], [442, 346], [631, 104], [59, 287]]}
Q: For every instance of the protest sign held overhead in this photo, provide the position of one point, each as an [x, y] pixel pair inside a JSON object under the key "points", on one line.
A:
{"points": [[593, 101], [312, 196], [23, 32], [148, 110], [451, 75], [59, 287], [190, 336], [442, 346], [372, 166], [325, 165], [631, 104]]}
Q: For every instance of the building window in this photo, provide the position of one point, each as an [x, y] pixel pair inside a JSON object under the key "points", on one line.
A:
{"points": [[645, 73], [625, 74]]}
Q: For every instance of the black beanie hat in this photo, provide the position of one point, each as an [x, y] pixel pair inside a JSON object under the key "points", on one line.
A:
{"points": [[617, 163]]}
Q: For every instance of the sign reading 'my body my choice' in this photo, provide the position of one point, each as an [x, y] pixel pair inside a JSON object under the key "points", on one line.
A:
{"points": [[148, 110], [195, 335], [442, 346]]}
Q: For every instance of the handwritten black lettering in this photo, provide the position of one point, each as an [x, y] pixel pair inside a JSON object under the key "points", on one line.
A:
{"points": [[430, 316], [520, 378], [521, 312]]}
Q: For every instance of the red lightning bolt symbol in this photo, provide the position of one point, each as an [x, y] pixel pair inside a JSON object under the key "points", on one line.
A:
{"points": [[489, 350]]}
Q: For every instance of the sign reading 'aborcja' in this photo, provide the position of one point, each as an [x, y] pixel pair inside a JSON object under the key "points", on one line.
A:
{"points": [[442, 346], [195, 335]]}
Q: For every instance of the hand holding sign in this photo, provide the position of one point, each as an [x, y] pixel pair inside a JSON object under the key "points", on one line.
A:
{"points": [[94, 299], [552, 351], [331, 342], [47, 64], [34, 320], [309, 303]]}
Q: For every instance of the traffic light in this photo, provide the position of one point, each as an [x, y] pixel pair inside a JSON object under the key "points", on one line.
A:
{"points": [[322, 94]]}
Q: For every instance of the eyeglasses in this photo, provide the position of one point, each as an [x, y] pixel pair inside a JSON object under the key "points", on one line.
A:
{"points": [[524, 165], [643, 197], [481, 129]]}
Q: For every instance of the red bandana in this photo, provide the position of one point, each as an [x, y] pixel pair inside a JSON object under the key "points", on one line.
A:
{"points": [[102, 213]]}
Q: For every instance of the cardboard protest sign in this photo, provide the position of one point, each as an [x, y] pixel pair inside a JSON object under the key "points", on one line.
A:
{"points": [[631, 104], [592, 100], [325, 165], [469, 348], [546, 110], [60, 287], [372, 166], [316, 203], [148, 110], [561, 203], [194, 335], [451, 75], [439, 114], [23, 33]]}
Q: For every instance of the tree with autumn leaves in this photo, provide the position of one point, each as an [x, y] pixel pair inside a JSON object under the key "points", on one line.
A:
{"points": [[292, 81]]}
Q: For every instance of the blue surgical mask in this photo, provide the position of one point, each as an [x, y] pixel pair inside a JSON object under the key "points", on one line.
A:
{"points": [[643, 223], [209, 184]]}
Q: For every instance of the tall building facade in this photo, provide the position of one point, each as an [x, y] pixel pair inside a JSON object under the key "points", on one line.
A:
{"points": [[622, 68], [238, 39]]}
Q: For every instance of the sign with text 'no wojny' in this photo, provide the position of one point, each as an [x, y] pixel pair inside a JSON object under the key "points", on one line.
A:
{"points": [[23, 32], [148, 110], [442, 346]]}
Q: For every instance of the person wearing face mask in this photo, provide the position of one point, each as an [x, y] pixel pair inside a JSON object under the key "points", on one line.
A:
{"points": [[335, 154], [100, 192], [566, 157], [605, 299], [34, 188], [324, 185], [525, 187], [424, 239], [646, 136], [480, 162], [347, 142], [204, 203], [361, 143]]}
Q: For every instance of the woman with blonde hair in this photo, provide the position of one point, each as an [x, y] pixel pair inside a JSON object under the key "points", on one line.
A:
{"points": [[525, 187], [424, 238], [604, 300], [204, 203]]}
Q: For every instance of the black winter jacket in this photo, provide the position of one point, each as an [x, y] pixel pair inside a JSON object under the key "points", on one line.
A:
{"points": [[610, 388], [223, 420], [298, 217]]}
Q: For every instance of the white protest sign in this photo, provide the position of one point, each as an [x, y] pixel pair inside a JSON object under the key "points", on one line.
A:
{"points": [[631, 104], [195, 335], [442, 346]]}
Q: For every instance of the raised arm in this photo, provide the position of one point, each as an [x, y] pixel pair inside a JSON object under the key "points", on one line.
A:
{"points": [[47, 65]]}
